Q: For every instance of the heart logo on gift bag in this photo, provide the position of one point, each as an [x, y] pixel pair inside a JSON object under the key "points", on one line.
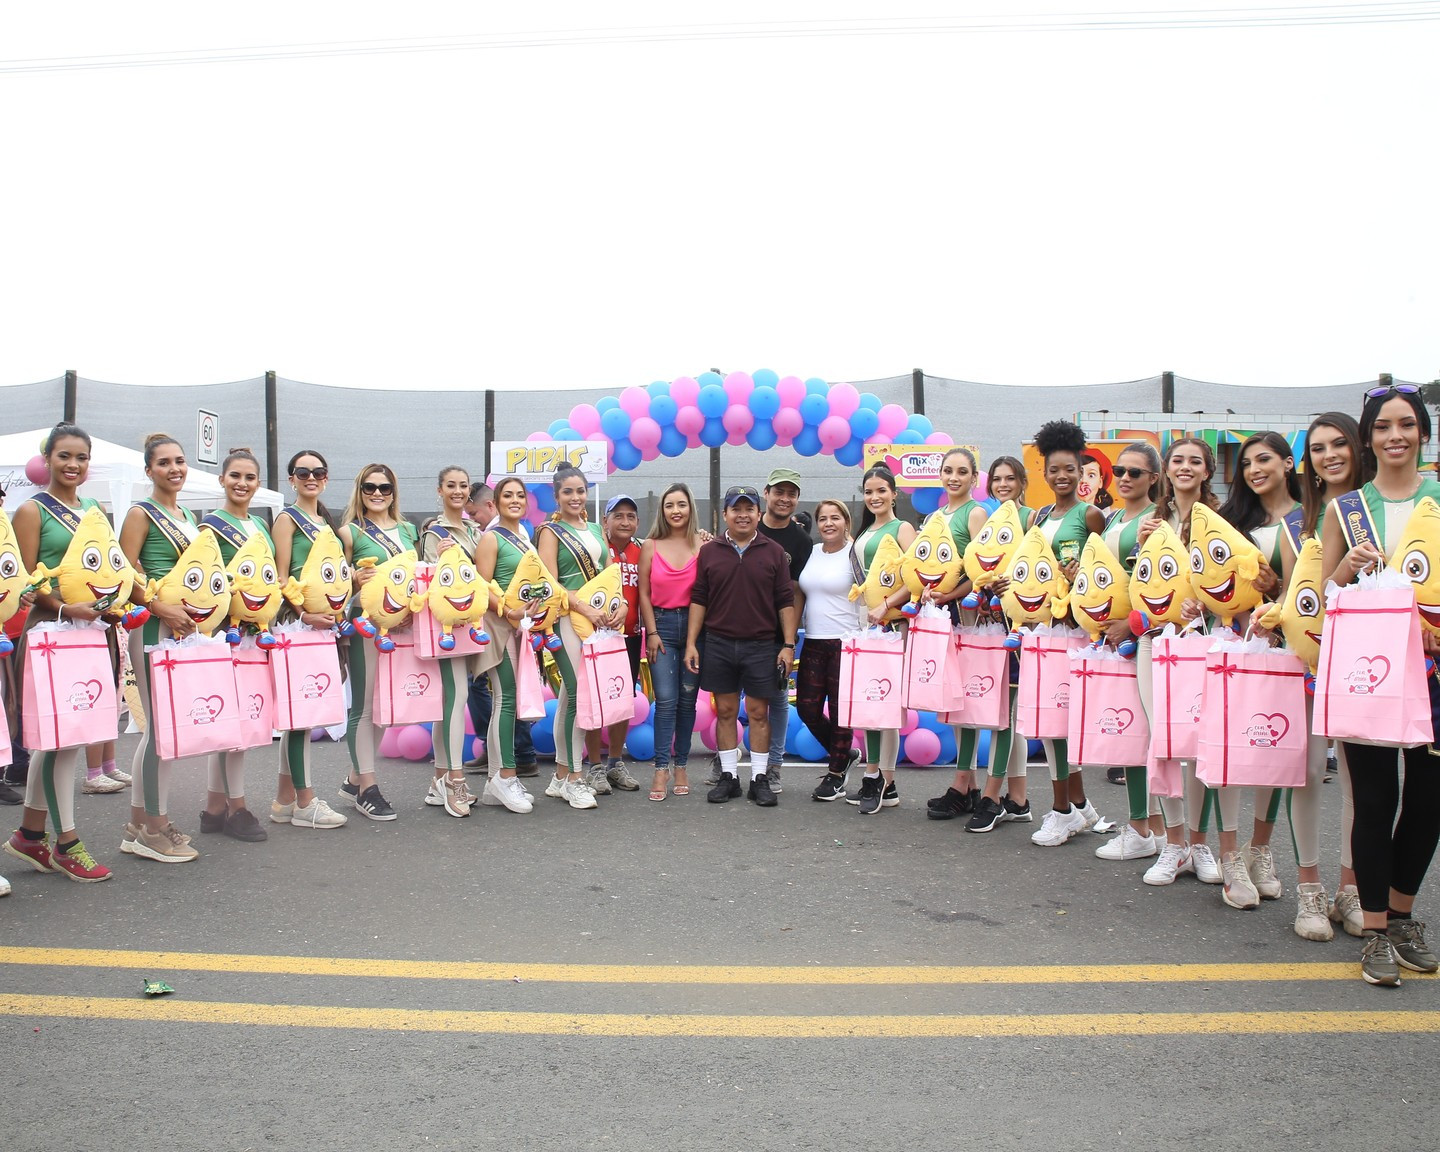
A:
{"points": [[927, 671], [1194, 709], [314, 686], [416, 684], [1114, 721], [615, 687], [1367, 675], [978, 686], [83, 695], [878, 689], [1061, 699], [204, 709], [257, 705], [1266, 731]]}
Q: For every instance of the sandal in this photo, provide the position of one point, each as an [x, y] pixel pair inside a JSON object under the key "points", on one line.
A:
{"points": [[682, 784], [660, 784]]}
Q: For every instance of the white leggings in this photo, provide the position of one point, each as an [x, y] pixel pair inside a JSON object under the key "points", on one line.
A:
{"points": [[225, 774]]}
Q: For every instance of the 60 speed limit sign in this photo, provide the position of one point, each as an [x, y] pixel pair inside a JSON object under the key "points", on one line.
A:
{"points": [[207, 439]]}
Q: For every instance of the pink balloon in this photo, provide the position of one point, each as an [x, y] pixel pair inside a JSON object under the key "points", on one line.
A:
{"points": [[791, 390], [844, 399], [684, 390], [642, 709], [37, 471], [738, 420], [738, 387], [706, 733], [547, 691], [469, 723], [390, 743], [704, 708], [585, 419], [644, 433], [598, 437], [834, 432], [635, 402], [689, 420], [877, 438], [534, 517], [788, 423], [537, 437], [610, 466], [693, 441], [939, 438], [912, 721], [651, 453], [981, 489], [893, 419], [922, 747], [414, 743]]}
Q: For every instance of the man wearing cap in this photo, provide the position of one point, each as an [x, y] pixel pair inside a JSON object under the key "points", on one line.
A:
{"points": [[744, 600], [622, 518], [782, 496]]}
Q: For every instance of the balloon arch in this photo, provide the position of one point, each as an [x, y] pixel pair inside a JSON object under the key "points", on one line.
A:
{"points": [[761, 409]]}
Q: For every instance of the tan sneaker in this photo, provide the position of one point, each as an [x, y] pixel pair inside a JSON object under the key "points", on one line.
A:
{"points": [[457, 796], [162, 847]]}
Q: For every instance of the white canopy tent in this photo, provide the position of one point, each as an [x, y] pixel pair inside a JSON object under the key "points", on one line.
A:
{"points": [[117, 477]]}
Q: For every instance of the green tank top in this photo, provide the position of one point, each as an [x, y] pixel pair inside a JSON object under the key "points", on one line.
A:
{"points": [[54, 536], [507, 559], [299, 542], [569, 572], [1121, 536], [1390, 515], [1068, 534], [959, 524], [872, 540], [157, 554], [251, 526], [364, 548]]}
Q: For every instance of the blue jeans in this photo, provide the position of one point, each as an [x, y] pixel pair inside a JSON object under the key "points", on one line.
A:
{"points": [[675, 688], [480, 704]]}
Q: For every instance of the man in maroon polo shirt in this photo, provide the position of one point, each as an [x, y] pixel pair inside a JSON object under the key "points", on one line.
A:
{"points": [[742, 595]]}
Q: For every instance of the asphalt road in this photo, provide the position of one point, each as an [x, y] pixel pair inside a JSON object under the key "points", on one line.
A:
{"points": [[682, 975]]}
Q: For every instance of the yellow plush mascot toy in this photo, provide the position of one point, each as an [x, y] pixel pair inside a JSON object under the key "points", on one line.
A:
{"points": [[1223, 565], [883, 577], [388, 599], [94, 569], [255, 592], [458, 596], [987, 557], [604, 594], [198, 583], [1417, 558], [541, 598], [1160, 584], [1300, 617], [1101, 594], [932, 561], [324, 585], [14, 580], [1038, 589]]}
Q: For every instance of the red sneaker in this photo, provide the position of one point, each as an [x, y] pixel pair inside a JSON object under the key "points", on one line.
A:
{"points": [[36, 853], [79, 865]]}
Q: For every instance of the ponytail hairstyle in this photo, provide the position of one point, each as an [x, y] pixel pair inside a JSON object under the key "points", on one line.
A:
{"points": [[566, 472], [61, 430], [153, 443], [1166, 508], [325, 513], [867, 517], [1243, 509], [238, 454], [1152, 462], [1313, 488]]}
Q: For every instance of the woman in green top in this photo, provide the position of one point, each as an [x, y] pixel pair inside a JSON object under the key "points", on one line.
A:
{"points": [[225, 810], [295, 800], [882, 748], [572, 549], [373, 529], [500, 552], [153, 536], [43, 534]]}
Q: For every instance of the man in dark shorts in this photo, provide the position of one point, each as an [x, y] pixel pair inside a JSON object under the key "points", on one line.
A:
{"points": [[782, 497], [745, 602], [622, 519]]}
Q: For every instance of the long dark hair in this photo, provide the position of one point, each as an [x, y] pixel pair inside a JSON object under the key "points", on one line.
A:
{"points": [[325, 513], [1243, 508], [867, 517], [1152, 462], [1166, 508], [1371, 412], [1313, 489], [1021, 476]]}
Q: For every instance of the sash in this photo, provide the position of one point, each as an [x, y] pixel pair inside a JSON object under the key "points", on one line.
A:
{"points": [[303, 522], [68, 518], [1355, 522], [225, 530], [168, 528], [513, 540], [380, 537], [857, 570], [578, 552], [443, 534], [1292, 525]]}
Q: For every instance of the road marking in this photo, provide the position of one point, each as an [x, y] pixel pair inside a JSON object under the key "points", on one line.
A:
{"points": [[678, 973], [606, 1024]]}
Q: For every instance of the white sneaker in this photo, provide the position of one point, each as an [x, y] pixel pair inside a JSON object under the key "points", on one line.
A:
{"points": [[1312, 921], [1129, 845], [1260, 863], [578, 794], [1345, 911], [279, 814], [508, 792], [4, 886], [317, 815], [131, 833], [1206, 870], [436, 796], [118, 775], [1239, 890], [556, 787], [1058, 827], [1174, 860], [100, 785], [1094, 822]]}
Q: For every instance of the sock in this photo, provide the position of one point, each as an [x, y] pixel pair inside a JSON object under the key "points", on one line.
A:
{"points": [[108, 766], [1391, 914], [614, 763], [69, 844], [730, 761], [872, 773], [96, 772], [1066, 810], [33, 837], [759, 765], [1081, 803]]}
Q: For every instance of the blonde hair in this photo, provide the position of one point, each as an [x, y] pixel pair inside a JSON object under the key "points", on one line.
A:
{"points": [[356, 506], [840, 504]]}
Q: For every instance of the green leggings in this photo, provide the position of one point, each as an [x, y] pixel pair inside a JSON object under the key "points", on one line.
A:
{"points": [[295, 756], [500, 738], [569, 740], [362, 736], [150, 776], [51, 786], [450, 728], [1001, 740]]}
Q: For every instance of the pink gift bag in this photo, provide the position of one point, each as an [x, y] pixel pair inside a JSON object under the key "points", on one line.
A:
{"points": [[1177, 676], [1370, 683], [529, 688], [931, 674], [255, 694], [407, 690], [427, 632], [69, 688], [7, 756], [607, 693], [1164, 778], [983, 678], [305, 667], [871, 680], [193, 706], [1254, 707], [1042, 707], [1107, 723]]}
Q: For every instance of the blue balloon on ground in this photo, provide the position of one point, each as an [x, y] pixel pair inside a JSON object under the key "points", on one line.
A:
{"points": [[556, 425], [467, 747], [673, 442], [713, 434], [765, 377], [814, 409], [764, 403], [712, 401], [808, 442], [1034, 748], [870, 402], [640, 742], [850, 454], [908, 436], [662, 410], [761, 436], [607, 404], [658, 388], [818, 387], [806, 747], [792, 730], [920, 424], [931, 721], [542, 733], [626, 456], [864, 423], [948, 748], [615, 423], [982, 748], [926, 500], [744, 713]]}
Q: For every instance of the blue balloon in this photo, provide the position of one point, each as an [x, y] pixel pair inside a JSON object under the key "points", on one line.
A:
{"points": [[673, 442], [864, 423], [713, 434], [556, 426], [817, 387], [1034, 748], [807, 747], [568, 434], [712, 401], [765, 377], [764, 403], [948, 749], [615, 423], [931, 721], [744, 713], [870, 402], [626, 456], [793, 727], [982, 748], [544, 497], [807, 443], [467, 747], [850, 454], [543, 731], [926, 500], [761, 436], [640, 742], [920, 424], [606, 404], [814, 409], [908, 436], [662, 410], [658, 388], [706, 379]]}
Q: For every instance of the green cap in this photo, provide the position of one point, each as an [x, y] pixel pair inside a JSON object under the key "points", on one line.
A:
{"points": [[783, 476]]}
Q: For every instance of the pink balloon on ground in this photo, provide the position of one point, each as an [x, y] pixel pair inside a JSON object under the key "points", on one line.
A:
{"points": [[738, 387], [844, 399], [684, 390], [689, 420], [834, 432], [706, 733], [893, 419], [635, 402], [912, 721], [585, 419], [644, 433], [642, 708], [791, 390], [704, 708], [922, 747], [981, 490], [390, 743], [37, 471], [788, 423], [738, 419], [414, 743], [939, 438]]}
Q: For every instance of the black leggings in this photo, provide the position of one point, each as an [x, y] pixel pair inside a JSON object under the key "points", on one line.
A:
{"points": [[817, 679], [1389, 853]]}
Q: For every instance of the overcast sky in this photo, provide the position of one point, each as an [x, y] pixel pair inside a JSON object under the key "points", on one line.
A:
{"points": [[1250, 205]]}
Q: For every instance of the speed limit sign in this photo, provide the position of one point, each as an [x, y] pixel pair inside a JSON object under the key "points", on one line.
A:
{"points": [[207, 440]]}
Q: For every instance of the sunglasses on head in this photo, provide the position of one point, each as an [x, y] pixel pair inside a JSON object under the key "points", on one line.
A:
{"points": [[306, 473], [1132, 473], [377, 489], [1390, 390]]}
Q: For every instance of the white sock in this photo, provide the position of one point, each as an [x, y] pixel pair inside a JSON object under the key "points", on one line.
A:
{"points": [[872, 773], [730, 761], [759, 764]]}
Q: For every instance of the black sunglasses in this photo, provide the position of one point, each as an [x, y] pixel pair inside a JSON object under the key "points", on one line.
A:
{"points": [[1132, 473], [377, 489], [306, 473], [1390, 390]]}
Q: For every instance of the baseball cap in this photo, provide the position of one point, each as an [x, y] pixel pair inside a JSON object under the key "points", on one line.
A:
{"points": [[741, 492], [783, 476], [615, 502]]}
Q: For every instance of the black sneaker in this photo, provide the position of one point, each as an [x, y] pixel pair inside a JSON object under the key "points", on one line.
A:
{"points": [[349, 791], [987, 814], [1332, 765], [948, 806], [760, 791], [831, 787], [890, 798], [1407, 937], [1013, 811], [372, 805], [8, 795], [974, 798], [728, 788], [242, 825], [212, 821], [870, 793], [1115, 774]]}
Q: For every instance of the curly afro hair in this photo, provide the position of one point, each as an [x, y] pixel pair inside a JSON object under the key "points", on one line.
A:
{"points": [[1060, 436]]}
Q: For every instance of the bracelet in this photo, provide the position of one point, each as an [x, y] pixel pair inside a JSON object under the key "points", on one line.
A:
{"points": [[60, 612]]}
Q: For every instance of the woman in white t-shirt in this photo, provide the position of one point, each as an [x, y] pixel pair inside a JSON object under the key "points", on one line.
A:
{"points": [[827, 613]]}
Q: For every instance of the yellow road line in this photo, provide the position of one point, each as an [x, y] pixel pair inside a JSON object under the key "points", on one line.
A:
{"points": [[158, 962], [754, 1027]]}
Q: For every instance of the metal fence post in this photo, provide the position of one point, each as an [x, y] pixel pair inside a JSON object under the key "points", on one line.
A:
{"points": [[489, 428], [272, 433], [715, 517], [917, 388], [72, 387], [1167, 391]]}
